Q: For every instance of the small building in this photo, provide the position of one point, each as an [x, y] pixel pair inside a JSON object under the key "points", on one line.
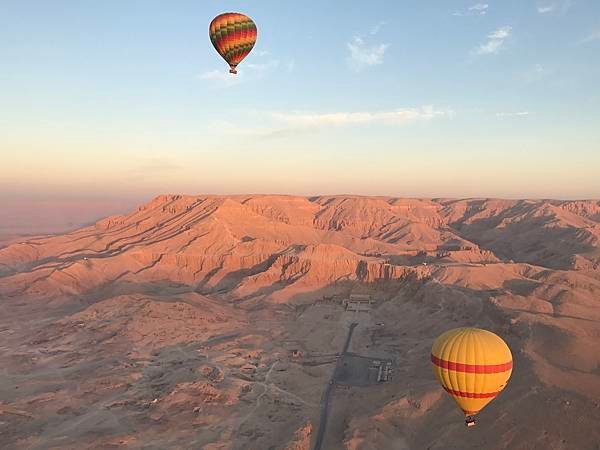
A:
{"points": [[361, 298], [358, 302]]}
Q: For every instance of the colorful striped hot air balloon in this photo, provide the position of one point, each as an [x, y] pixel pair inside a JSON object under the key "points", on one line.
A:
{"points": [[473, 366], [233, 35]]}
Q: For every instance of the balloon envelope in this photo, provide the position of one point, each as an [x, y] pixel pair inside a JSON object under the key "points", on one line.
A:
{"points": [[472, 365], [233, 35]]}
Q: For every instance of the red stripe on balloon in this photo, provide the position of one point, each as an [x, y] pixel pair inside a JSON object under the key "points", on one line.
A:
{"points": [[471, 394], [471, 368]]}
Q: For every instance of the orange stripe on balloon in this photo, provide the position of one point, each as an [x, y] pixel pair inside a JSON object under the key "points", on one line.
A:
{"points": [[471, 368]]}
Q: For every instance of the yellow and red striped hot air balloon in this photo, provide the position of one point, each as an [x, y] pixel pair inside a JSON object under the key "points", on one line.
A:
{"points": [[233, 35], [473, 366]]}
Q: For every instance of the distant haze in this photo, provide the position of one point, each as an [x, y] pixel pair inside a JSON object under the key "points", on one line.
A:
{"points": [[33, 216]]}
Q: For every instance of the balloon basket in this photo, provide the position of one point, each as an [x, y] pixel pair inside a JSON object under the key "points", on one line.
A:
{"points": [[470, 422], [233, 71]]}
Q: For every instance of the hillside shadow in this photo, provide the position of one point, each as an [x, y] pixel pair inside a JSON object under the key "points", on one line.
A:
{"points": [[520, 287], [536, 241]]}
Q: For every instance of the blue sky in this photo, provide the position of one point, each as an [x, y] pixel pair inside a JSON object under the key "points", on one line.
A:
{"points": [[421, 98]]}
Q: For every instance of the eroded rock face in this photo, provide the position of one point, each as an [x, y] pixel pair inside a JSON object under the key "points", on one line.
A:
{"points": [[214, 322], [302, 437], [227, 243]]}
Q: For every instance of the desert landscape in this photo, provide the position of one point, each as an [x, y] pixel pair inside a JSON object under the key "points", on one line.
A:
{"points": [[267, 225], [264, 322]]}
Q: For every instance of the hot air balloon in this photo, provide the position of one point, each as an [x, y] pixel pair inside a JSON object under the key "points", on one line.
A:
{"points": [[233, 35], [473, 366]]}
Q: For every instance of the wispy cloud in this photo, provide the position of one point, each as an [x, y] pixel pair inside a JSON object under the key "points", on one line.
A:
{"points": [[394, 117], [263, 66], [478, 9], [546, 9], [561, 7], [377, 28], [593, 36], [284, 123], [222, 78], [364, 55], [513, 114], [291, 65], [495, 41]]}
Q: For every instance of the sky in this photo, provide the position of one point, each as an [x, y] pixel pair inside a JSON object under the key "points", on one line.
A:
{"points": [[118, 101]]}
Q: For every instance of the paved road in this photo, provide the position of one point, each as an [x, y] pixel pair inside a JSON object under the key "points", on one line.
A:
{"points": [[326, 399]]}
